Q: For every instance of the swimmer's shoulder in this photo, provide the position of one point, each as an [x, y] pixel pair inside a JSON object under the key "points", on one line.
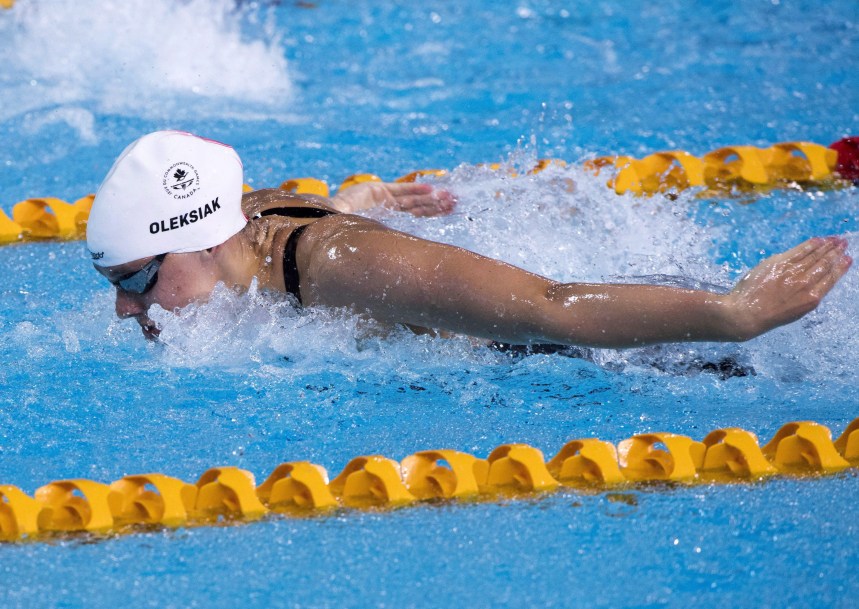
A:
{"points": [[258, 201]]}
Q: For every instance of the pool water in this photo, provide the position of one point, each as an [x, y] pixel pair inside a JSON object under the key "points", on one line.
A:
{"points": [[327, 89]]}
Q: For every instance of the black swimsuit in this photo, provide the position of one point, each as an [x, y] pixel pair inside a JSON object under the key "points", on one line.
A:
{"points": [[291, 280]]}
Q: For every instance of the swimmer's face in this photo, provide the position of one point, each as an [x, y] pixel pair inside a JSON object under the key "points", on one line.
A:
{"points": [[173, 281]]}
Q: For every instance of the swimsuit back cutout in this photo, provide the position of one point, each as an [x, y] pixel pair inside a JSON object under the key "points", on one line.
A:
{"points": [[291, 279]]}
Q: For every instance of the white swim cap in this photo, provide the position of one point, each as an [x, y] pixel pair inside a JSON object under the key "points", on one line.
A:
{"points": [[167, 192]]}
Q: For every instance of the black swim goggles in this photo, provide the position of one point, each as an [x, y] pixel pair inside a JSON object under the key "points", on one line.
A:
{"points": [[141, 280]]}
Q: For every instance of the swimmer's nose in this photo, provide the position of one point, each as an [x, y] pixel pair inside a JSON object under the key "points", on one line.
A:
{"points": [[128, 305]]}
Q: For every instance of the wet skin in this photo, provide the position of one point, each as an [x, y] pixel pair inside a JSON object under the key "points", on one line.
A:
{"points": [[182, 279], [350, 261]]}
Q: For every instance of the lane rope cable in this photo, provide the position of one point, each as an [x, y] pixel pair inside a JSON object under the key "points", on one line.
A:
{"points": [[229, 494], [722, 172]]}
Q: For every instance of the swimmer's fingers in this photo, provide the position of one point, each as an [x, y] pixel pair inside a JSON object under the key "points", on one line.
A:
{"points": [[407, 188], [812, 271], [420, 199], [827, 270], [805, 249], [438, 203], [808, 253], [784, 287], [809, 268], [790, 266], [416, 199]]}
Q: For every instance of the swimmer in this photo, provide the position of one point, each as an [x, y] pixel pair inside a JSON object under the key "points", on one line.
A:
{"points": [[170, 222]]}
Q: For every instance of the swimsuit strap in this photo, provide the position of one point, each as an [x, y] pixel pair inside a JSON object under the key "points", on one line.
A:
{"points": [[291, 280], [297, 212]]}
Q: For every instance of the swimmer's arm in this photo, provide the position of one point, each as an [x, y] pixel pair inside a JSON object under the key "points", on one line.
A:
{"points": [[416, 199], [399, 278], [780, 290]]}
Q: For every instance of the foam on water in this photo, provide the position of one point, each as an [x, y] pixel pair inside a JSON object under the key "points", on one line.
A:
{"points": [[242, 331], [65, 61], [563, 223]]}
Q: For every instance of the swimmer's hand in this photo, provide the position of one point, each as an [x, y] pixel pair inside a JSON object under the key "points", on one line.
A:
{"points": [[416, 199], [784, 287]]}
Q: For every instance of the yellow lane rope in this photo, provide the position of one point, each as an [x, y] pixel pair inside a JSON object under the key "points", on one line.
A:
{"points": [[299, 488], [720, 172]]}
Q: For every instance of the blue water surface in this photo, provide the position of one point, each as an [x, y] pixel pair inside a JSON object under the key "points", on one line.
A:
{"points": [[327, 89]]}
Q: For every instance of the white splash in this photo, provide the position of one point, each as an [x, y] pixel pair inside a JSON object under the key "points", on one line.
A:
{"points": [[564, 223], [141, 58], [235, 331]]}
